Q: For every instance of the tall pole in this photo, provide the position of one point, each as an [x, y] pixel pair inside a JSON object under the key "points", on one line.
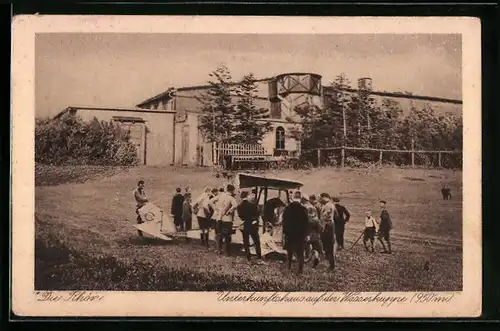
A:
{"points": [[412, 152], [345, 137], [368, 119], [360, 108], [345, 125], [214, 141]]}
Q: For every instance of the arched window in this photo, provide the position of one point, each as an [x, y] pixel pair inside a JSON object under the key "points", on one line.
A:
{"points": [[280, 138]]}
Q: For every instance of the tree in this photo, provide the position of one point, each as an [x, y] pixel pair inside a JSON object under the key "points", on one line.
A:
{"points": [[217, 119], [361, 117], [325, 127], [248, 125], [341, 113], [385, 124]]}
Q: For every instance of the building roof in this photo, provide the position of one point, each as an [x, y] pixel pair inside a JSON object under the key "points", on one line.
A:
{"points": [[134, 109], [399, 95], [169, 92]]}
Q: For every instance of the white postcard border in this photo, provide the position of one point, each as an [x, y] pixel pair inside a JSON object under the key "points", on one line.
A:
{"points": [[24, 298]]}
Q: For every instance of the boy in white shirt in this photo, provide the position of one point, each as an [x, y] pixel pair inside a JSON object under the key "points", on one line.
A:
{"points": [[371, 228]]}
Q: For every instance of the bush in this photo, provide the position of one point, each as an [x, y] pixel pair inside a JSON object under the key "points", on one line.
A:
{"points": [[69, 140]]}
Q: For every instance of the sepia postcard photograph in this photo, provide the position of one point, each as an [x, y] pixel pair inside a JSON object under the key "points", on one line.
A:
{"points": [[246, 166]]}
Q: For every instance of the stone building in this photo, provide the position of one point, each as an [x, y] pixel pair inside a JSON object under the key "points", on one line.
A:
{"points": [[165, 127]]}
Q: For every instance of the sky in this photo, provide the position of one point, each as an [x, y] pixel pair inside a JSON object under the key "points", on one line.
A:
{"points": [[121, 70]]}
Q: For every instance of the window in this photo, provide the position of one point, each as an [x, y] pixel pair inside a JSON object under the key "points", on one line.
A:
{"points": [[280, 138]]}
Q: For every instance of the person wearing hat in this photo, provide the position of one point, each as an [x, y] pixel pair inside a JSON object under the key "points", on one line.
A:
{"points": [[176, 208], [187, 212], [315, 202], [328, 234], [248, 211], [211, 206], [385, 227], [295, 224], [217, 217], [269, 211], [340, 217]]}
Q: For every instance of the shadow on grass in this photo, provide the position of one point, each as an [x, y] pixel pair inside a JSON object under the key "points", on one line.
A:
{"points": [[59, 267], [143, 241]]}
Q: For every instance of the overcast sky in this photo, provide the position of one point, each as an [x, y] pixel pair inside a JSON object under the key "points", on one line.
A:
{"points": [[124, 69]]}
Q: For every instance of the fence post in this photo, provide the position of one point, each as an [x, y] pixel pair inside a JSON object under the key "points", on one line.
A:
{"points": [[380, 157], [343, 157], [214, 153], [412, 153], [318, 155], [439, 159]]}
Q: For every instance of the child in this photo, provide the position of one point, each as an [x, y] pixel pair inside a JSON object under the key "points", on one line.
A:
{"points": [[371, 227]]}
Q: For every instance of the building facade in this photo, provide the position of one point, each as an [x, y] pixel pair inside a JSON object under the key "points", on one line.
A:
{"points": [[165, 127]]}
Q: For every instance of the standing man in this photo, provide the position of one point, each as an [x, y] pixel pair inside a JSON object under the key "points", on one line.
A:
{"points": [[187, 212], [340, 217], [314, 230], [202, 209], [314, 201], [328, 234], [384, 228], [141, 199], [295, 225], [226, 205], [176, 209], [211, 205], [249, 213], [217, 217]]}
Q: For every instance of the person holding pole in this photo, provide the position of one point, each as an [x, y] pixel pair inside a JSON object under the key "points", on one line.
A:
{"points": [[371, 227]]}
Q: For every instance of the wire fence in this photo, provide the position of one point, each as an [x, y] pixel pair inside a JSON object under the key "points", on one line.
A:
{"points": [[354, 156]]}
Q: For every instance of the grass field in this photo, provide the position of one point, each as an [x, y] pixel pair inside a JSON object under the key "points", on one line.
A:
{"points": [[85, 239]]}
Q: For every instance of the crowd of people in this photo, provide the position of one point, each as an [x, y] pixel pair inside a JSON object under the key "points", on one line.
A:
{"points": [[308, 222]]}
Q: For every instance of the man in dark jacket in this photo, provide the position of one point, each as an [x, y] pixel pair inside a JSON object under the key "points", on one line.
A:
{"points": [[176, 208], [385, 227], [295, 226], [340, 217], [248, 211]]}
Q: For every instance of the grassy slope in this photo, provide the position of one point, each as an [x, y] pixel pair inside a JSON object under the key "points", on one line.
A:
{"points": [[96, 217]]}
